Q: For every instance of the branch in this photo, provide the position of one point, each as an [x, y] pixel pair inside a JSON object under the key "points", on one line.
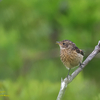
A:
{"points": [[66, 81]]}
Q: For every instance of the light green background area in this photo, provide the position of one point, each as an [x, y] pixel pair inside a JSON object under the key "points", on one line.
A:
{"points": [[30, 66]]}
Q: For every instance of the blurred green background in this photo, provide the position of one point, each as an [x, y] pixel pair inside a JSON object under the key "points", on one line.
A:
{"points": [[30, 66]]}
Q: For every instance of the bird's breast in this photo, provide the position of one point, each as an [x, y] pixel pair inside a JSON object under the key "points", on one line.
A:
{"points": [[70, 58]]}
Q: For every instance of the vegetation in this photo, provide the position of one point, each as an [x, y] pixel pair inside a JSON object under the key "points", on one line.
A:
{"points": [[30, 66]]}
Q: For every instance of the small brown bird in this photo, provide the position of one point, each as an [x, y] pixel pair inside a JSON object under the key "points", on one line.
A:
{"points": [[70, 54]]}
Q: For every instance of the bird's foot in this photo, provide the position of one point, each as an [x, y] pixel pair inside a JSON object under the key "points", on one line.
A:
{"points": [[80, 65], [68, 77]]}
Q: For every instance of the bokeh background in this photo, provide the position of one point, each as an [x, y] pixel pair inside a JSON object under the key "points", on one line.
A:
{"points": [[30, 66]]}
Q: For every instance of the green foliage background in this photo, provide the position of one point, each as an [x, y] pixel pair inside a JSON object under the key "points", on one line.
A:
{"points": [[30, 66]]}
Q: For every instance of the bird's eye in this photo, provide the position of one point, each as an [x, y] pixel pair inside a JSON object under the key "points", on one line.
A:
{"points": [[63, 43]]}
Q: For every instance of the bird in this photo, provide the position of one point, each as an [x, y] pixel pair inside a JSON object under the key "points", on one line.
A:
{"points": [[70, 55]]}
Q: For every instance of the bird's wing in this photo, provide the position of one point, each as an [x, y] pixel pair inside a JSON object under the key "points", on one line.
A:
{"points": [[78, 50]]}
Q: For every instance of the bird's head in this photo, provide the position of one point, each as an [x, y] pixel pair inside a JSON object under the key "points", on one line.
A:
{"points": [[65, 44]]}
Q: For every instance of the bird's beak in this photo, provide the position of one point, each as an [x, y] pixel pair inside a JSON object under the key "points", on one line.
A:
{"points": [[58, 42]]}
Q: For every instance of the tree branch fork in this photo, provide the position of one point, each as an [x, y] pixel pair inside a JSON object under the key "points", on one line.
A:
{"points": [[67, 80]]}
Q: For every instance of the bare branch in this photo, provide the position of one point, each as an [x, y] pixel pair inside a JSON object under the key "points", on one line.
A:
{"points": [[66, 81]]}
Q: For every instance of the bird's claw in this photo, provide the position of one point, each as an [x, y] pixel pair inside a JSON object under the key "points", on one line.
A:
{"points": [[80, 65]]}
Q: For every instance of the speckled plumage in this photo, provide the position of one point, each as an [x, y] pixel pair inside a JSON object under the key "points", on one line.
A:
{"points": [[70, 54]]}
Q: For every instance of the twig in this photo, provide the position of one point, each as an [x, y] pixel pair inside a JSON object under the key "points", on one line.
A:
{"points": [[66, 81]]}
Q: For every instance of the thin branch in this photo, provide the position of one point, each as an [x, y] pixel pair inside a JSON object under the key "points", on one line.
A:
{"points": [[66, 81]]}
